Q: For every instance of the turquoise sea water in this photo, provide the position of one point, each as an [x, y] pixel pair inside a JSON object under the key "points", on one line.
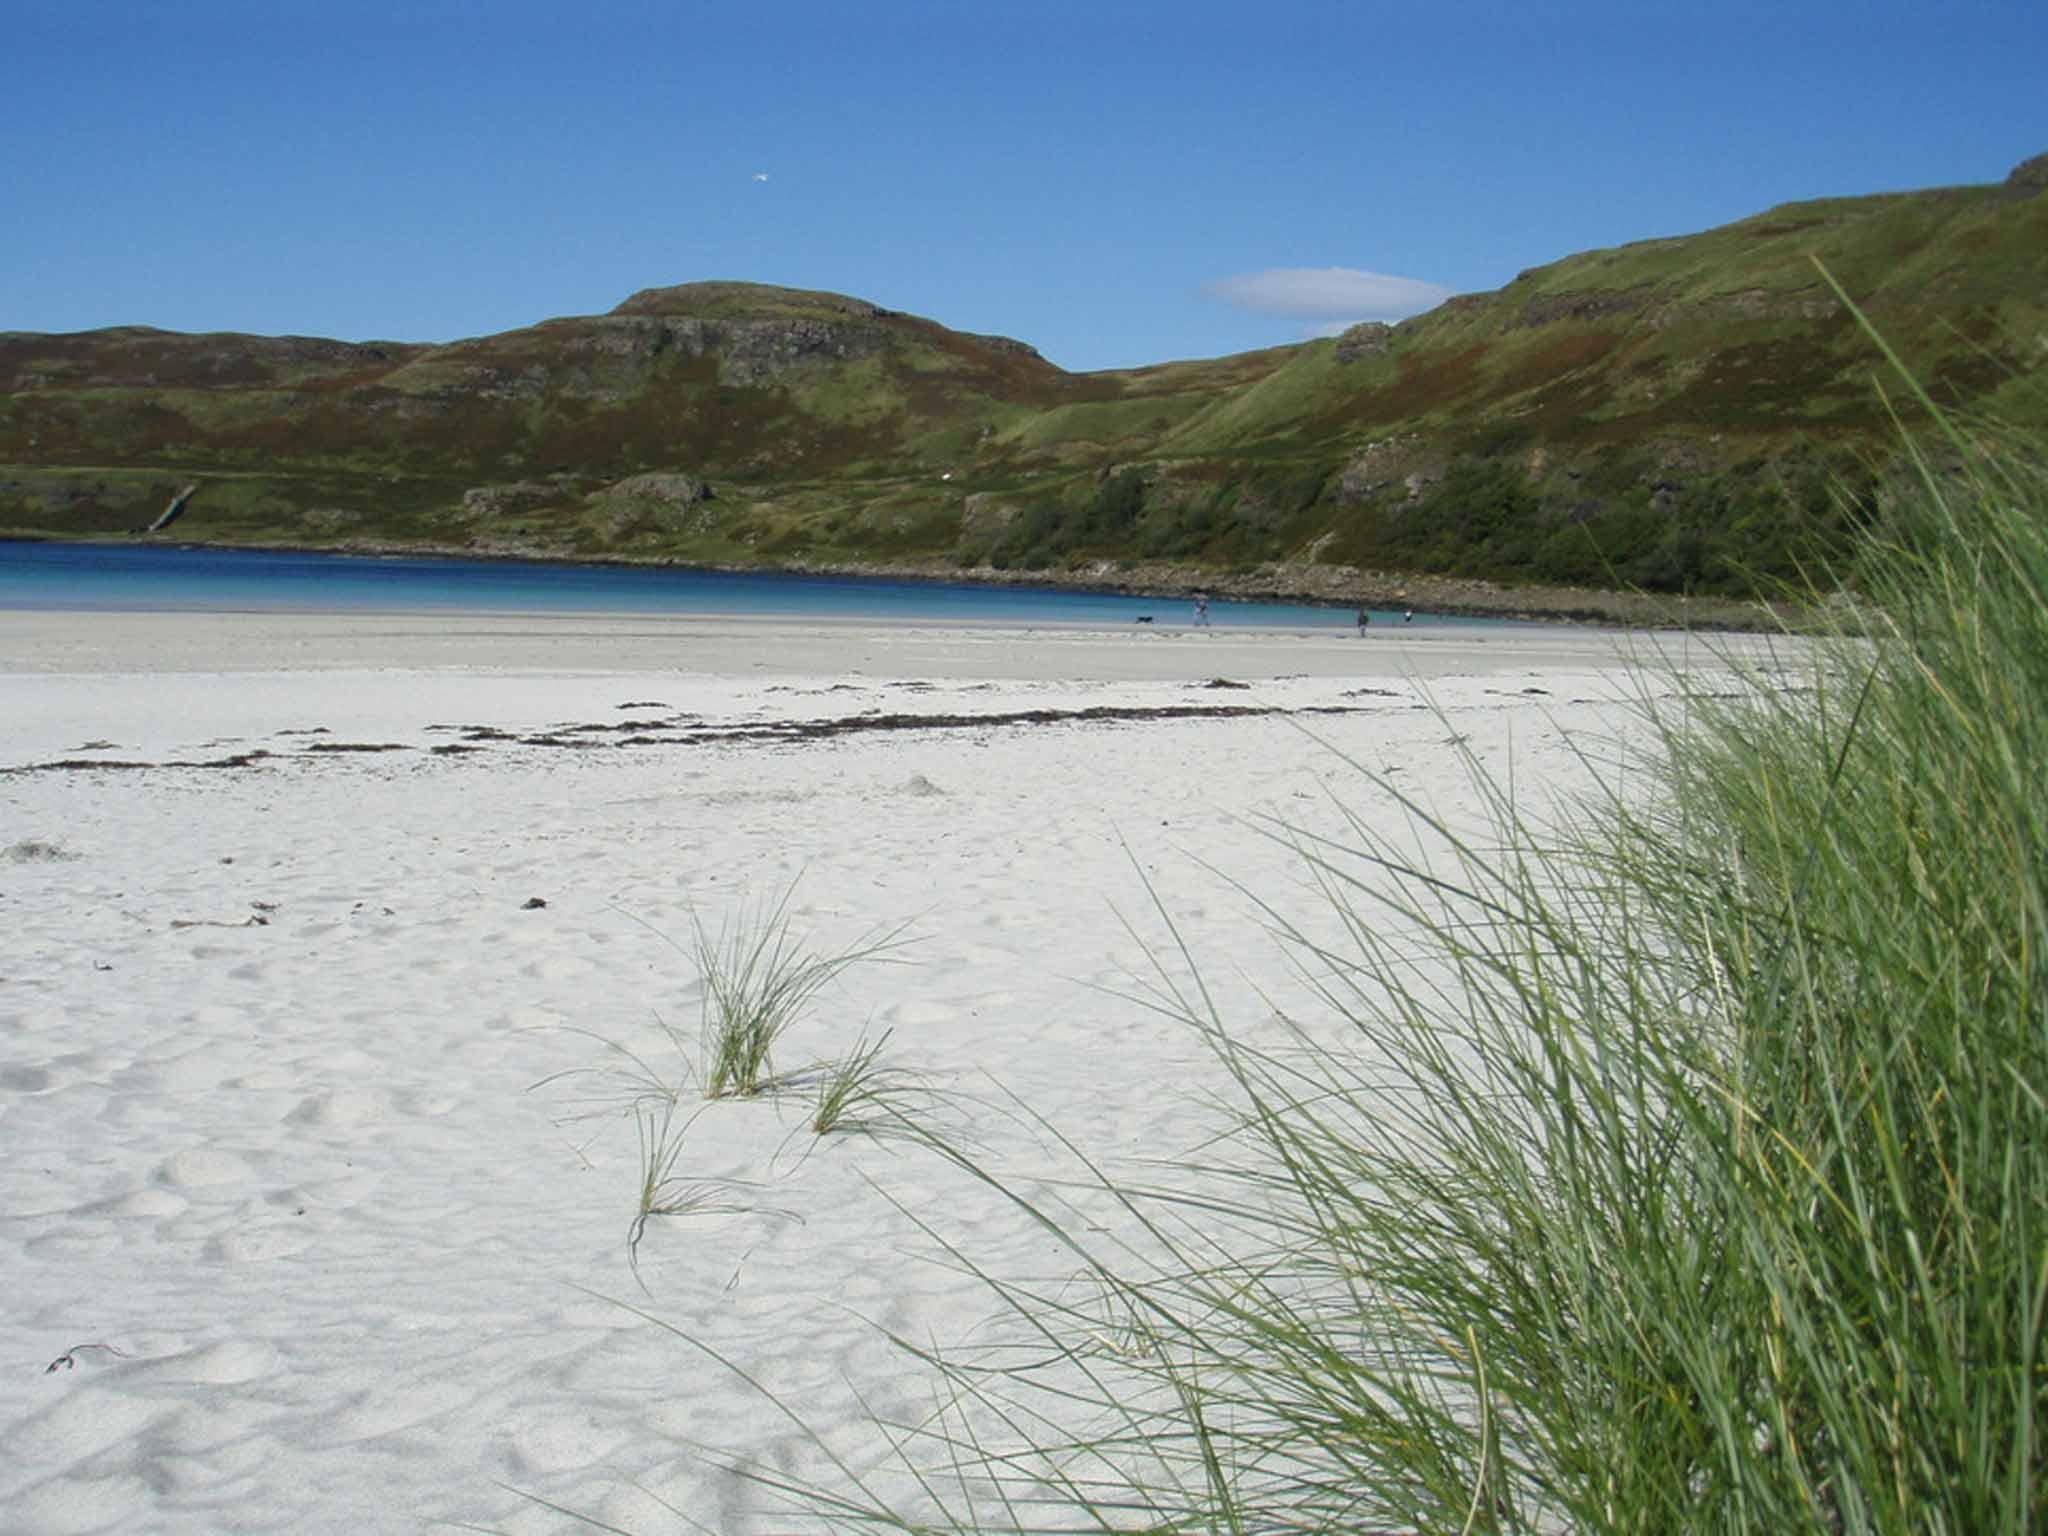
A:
{"points": [[144, 577]]}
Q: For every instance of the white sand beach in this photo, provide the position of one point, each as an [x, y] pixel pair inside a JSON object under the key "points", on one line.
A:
{"points": [[304, 919]]}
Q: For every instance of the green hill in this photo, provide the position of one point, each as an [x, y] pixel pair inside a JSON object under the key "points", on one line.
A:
{"points": [[1680, 414]]}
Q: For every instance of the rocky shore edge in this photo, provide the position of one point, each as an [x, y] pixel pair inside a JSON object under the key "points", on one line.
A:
{"points": [[1337, 586], [1350, 586]]}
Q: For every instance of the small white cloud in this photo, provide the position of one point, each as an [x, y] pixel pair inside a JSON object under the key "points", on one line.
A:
{"points": [[1330, 298], [760, 175]]}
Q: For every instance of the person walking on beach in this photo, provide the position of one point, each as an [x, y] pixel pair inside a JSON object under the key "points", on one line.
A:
{"points": [[1201, 610], [1364, 619]]}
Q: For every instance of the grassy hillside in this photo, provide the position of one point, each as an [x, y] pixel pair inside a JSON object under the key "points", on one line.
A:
{"points": [[1676, 413], [1682, 414]]}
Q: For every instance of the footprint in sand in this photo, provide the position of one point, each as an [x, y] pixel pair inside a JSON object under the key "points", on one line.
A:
{"points": [[558, 1440], [189, 1072], [203, 1168], [915, 1013], [348, 1061], [272, 1078], [341, 1109], [559, 968], [227, 1430], [80, 1504], [382, 1413], [424, 1104], [85, 1423], [148, 1203], [222, 1364], [257, 1244]]}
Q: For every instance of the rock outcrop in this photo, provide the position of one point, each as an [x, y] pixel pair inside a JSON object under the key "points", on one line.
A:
{"points": [[1370, 338], [666, 502], [487, 502], [2028, 177], [1591, 304]]}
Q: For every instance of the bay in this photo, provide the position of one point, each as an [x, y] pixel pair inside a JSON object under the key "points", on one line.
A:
{"points": [[142, 578]]}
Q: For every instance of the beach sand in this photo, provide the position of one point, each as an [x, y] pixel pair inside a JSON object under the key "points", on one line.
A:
{"points": [[313, 1214]]}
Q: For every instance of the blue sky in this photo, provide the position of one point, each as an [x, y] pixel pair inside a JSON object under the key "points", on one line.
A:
{"points": [[1114, 183]]}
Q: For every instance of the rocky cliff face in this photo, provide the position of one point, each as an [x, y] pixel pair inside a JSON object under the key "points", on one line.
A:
{"points": [[758, 333]]}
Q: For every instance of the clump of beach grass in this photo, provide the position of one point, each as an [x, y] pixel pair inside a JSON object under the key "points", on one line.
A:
{"points": [[662, 1192], [1676, 1164], [864, 1093], [758, 979], [666, 1189]]}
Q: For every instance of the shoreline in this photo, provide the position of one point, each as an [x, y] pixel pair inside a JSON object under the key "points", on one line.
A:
{"points": [[49, 641], [1308, 584]]}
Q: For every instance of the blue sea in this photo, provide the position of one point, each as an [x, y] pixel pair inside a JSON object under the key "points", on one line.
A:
{"points": [[135, 577]]}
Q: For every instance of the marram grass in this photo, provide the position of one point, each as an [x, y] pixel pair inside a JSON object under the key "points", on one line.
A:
{"points": [[758, 978], [1683, 1166], [864, 1093]]}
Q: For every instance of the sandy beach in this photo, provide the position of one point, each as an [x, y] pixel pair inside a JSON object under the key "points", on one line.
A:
{"points": [[319, 937]]}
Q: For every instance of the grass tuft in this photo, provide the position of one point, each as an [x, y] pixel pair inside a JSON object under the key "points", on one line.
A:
{"points": [[863, 1093], [664, 1191], [758, 979]]}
